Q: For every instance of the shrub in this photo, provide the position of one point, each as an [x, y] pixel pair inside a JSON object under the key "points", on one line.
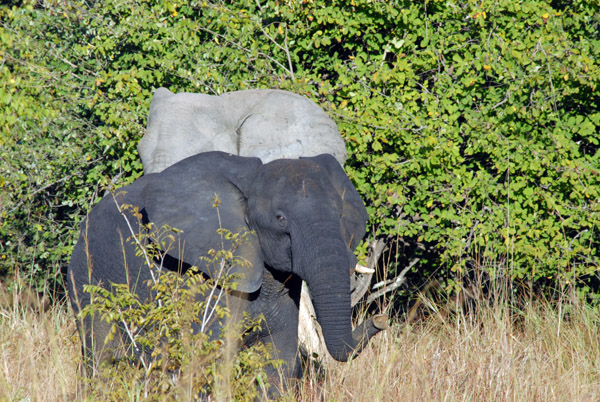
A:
{"points": [[167, 349], [166, 360], [472, 127]]}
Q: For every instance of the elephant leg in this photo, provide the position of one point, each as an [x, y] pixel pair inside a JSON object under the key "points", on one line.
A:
{"points": [[283, 344], [285, 347], [278, 303], [282, 334]]}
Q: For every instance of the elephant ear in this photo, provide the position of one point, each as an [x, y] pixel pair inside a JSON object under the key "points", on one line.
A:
{"points": [[183, 197], [354, 214]]}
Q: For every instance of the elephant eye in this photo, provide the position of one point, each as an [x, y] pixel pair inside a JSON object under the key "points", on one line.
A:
{"points": [[281, 219]]}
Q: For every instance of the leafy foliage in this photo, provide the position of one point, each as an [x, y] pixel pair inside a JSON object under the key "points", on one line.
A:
{"points": [[184, 364], [165, 346], [472, 126]]}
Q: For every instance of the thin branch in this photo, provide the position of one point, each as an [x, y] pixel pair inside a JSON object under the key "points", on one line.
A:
{"points": [[134, 343], [503, 101], [137, 241], [540, 46], [207, 316], [286, 49], [391, 284], [470, 238], [245, 49], [39, 190]]}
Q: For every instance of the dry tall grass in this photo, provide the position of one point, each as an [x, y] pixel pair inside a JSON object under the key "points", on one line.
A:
{"points": [[538, 354], [39, 355]]}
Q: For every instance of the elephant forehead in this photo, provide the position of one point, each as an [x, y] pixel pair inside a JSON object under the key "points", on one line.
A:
{"points": [[300, 193], [295, 177], [292, 169]]}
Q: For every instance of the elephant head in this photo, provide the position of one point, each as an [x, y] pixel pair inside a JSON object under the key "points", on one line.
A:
{"points": [[307, 216], [309, 219]]}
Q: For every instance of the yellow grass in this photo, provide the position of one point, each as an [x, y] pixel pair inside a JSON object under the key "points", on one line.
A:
{"points": [[39, 356], [491, 357], [538, 354]]}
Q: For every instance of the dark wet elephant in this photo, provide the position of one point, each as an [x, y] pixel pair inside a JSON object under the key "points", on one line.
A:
{"points": [[308, 219]]}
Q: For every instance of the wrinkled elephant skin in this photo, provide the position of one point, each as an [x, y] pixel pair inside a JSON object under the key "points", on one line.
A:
{"points": [[263, 123], [308, 219]]}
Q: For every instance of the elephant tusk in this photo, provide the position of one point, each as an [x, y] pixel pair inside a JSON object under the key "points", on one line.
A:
{"points": [[363, 270]]}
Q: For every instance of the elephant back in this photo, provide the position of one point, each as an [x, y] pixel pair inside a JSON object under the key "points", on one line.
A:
{"points": [[264, 123], [280, 124], [182, 125]]}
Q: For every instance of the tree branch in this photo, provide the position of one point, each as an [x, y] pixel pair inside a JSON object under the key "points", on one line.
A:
{"points": [[391, 284]]}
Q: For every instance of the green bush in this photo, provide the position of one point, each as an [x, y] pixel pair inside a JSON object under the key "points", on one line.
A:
{"points": [[472, 127], [163, 347], [184, 365]]}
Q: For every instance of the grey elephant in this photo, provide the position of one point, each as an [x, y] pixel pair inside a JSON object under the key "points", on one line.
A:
{"points": [[265, 123], [307, 216]]}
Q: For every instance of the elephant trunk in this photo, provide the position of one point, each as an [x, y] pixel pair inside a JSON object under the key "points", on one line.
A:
{"points": [[329, 284]]}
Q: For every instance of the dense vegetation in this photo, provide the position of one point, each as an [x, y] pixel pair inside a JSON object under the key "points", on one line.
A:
{"points": [[472, 126]]}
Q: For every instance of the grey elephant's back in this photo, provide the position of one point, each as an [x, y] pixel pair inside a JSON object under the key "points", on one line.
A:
{"points": [[306, 130], [176, 129], [265, 123]]}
